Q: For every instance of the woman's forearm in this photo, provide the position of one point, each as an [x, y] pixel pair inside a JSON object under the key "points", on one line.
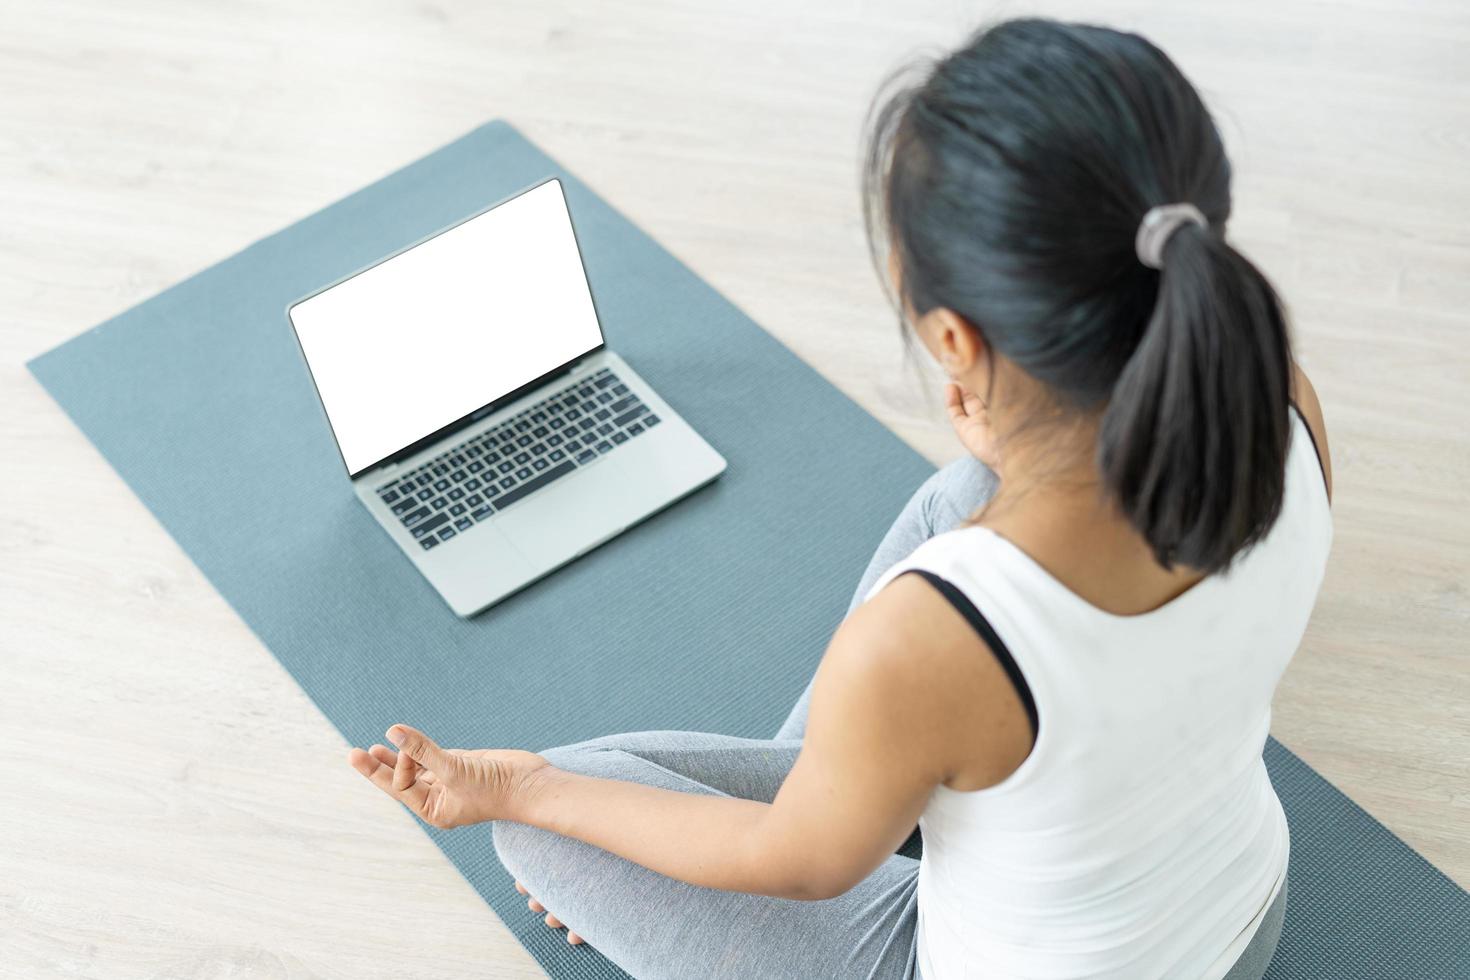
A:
{"points": [[714, 841]]}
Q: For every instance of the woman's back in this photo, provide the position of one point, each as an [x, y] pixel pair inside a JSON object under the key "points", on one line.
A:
{"points": [[1141, 834]]}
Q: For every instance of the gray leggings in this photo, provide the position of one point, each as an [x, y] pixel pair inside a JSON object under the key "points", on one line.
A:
{"points": [[654, 926]]}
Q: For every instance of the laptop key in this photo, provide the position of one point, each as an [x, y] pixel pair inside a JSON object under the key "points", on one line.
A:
{"points": [[539, 464], [428, 543], [457, 510], [441, 485], [430, 524], [464, 523], [507, 483], [555, 455], [604, 446], [456, 494], [650, 421], [523, 473], [446, 533], [426, 494], [586, 456], [619, 437], [634, 429], [482, 513], [405, 505], [473, 500], [417, 515], [630, 415], [389, 496], [531, 486]]}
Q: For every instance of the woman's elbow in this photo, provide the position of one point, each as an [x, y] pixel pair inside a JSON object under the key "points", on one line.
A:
{"points": [[810, 885]]}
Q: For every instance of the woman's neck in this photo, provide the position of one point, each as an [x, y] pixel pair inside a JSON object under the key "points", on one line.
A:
{"points": [[1058, 514]]}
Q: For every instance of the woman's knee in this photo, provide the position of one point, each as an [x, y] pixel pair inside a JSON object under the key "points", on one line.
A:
{"points": [[956, 491]]}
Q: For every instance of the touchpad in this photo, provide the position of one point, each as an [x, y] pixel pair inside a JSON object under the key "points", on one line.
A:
{"points": [[573, 514]]}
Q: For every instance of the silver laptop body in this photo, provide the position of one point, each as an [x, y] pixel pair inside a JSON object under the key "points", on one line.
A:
{"points": [[481, 418]]}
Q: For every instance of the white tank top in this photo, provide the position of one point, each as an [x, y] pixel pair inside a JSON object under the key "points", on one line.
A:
{"points": [[1141, 837]]}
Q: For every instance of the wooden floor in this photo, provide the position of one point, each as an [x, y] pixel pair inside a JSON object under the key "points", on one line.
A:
{"points": [[174, 805]]}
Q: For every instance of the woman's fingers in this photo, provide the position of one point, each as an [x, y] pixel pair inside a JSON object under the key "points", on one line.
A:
{"points": [[414, 796], [389, 758], [574, 939], [521, 888], [404, 773], [362, 762], [419, 747], [534, 905], [960, 404], [553, 921]]}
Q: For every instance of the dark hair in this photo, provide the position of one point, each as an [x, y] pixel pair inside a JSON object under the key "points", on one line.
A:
{"points": [[1012, 180]]}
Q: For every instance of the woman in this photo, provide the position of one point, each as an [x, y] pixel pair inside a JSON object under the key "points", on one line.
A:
{"points": [[1061, 660]]}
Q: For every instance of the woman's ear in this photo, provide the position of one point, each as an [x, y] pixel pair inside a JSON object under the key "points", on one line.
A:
{"points": [[958, 345]]}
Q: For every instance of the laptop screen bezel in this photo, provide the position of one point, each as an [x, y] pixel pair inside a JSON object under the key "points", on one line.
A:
{"points": [[489, 407]]}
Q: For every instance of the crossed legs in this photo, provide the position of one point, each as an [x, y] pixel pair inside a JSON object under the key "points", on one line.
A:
{"points": [[654, 926]]}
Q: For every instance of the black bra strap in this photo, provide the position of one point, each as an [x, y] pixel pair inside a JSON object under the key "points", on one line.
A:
{"points": [[982, 626], [1312, 436]]}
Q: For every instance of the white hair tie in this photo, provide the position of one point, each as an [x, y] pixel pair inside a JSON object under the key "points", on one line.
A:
{"points": [[1156, 227]]}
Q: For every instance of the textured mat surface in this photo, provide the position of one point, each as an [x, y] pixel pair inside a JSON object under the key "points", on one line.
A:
{"points": [[709, 616]]}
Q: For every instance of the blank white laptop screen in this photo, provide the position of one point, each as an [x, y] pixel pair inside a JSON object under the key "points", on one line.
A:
{"points": [[428, 336]]}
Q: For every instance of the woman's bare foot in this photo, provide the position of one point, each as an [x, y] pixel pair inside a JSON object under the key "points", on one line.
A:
{"points": [[551, 920]]}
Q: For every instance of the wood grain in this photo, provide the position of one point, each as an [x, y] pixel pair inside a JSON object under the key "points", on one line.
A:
{"points": [[176, 807]]}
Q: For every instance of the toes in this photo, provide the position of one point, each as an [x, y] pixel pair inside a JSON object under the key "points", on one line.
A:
{"points": [[551, 920]]}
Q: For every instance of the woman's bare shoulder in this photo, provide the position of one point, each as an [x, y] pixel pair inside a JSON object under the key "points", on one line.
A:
{"points": [[928, 653]]}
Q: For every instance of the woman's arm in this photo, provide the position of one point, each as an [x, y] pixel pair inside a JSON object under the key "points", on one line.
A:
{"points": [[893, 713], [896, 689]]}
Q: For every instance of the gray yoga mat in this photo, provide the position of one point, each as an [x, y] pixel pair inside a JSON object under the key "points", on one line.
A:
{"points": [[711, 615]]}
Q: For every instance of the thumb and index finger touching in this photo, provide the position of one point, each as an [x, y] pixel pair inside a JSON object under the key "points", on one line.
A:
{"points": [[419, 747]]}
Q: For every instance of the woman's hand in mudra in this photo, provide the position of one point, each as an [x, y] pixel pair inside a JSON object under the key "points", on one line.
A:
{"points": [[971, 423], [449, 787]]}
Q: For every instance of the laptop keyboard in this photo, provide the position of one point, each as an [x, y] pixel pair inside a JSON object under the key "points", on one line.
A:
{"points": [[454, 491]]}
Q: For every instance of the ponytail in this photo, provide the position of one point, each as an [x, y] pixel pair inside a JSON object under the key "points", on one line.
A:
{"points": [[1009, 178], [1193, 441]]}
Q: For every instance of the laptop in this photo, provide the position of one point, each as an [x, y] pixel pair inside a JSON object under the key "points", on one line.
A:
{"points": [[479, 413]]}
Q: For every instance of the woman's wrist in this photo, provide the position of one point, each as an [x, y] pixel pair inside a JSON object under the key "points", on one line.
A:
{"points": [[527, 803]]}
